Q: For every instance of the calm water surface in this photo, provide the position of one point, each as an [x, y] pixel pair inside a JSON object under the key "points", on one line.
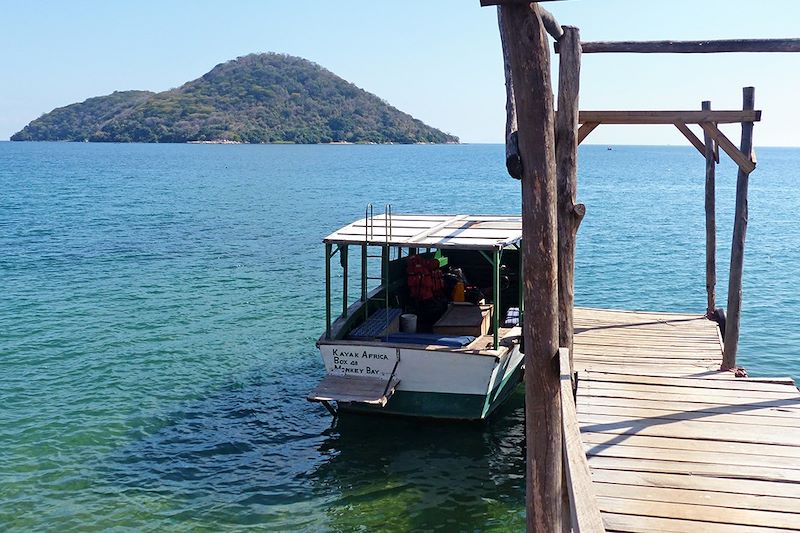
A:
{"points": [[159, 306]]}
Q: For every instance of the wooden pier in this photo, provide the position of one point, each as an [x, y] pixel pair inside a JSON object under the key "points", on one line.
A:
{"points": [[674, 444], [674, 441]]}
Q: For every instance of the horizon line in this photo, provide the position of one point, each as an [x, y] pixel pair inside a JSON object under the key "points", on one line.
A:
{"points": [[393, 144]]}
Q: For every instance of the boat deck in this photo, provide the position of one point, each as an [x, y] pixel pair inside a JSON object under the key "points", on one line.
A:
{"points": [[484, 344], [673, 444]]}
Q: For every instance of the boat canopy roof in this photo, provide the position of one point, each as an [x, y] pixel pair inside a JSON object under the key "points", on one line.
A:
{"points": [[432, 231]]}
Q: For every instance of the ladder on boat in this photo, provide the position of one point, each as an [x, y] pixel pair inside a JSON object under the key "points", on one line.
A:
{"points": [[369, 236], [369, 240]]}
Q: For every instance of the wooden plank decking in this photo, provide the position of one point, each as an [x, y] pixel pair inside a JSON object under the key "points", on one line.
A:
{"points": [[673, 444]]}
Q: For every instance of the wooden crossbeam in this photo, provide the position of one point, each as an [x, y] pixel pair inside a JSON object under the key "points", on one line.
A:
{"points": [[707, 119], [689, 134], [744, 161], [691, 47], [585, 129], [668, 117]]}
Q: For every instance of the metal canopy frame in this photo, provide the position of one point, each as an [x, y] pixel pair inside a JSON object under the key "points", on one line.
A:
{"points": [[493, 256], [467, 232]]}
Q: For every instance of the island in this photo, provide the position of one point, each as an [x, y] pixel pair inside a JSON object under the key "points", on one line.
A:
{"points": [[257, 98]]}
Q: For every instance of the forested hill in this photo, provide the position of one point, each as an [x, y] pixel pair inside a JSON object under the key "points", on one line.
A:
{"points": [[77, 122], [259, 98]]}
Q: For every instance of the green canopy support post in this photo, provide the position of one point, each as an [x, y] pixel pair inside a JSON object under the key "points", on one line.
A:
{"points": [[384, 264], [328, 254], [496, 297], [343, 260], [364, 279], [495, 261], [386, 257]]}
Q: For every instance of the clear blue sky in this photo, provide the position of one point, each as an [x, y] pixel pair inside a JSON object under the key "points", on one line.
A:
{"points": [[436, 59]]}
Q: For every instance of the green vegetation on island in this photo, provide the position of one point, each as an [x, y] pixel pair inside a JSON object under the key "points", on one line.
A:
{"points": [[258, 98]]}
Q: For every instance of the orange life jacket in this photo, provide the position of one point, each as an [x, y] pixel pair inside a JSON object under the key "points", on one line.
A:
{"points": [[424, 277]]}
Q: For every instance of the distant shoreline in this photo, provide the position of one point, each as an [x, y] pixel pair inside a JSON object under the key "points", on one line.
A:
{"points": [[227, 141], [345, 143]]}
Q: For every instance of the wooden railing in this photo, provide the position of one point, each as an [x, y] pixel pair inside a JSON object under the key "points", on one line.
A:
{"points": [[583, 509]]}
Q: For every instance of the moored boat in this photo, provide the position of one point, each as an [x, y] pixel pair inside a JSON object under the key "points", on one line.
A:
{"points": [[439, 335]]}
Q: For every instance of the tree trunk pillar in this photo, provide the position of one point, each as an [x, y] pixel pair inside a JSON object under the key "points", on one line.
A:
{"points": [[570, 214], [733, 318], [529, 57], [711, 221]]}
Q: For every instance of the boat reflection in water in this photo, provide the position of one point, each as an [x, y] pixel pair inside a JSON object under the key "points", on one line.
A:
{"points": [[404, 474]]}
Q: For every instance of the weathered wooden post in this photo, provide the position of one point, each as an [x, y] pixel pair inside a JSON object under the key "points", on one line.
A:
{"points": [[711, 221], [733, 317], [513, 161], [524, 36], [570, 214]]}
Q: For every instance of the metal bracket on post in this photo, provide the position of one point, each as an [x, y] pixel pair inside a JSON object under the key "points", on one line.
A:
{"points": [[331, 409]]}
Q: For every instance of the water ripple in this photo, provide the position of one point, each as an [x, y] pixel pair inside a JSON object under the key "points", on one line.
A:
{"points": [[159, 306]]}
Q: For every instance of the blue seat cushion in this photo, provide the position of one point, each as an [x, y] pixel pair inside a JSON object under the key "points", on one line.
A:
{"points": [[377, 323], [457, 341], [512, 317]]}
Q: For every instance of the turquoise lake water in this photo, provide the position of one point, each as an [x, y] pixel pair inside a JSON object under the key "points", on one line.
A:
{"points": [[159, 306]]}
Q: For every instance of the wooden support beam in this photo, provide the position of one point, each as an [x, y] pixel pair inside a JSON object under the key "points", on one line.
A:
{"points": [[683, 128], [529, 57], [733, 316], [669, 117], [513, 161], [691, 47], [744, 161], [551, 25], [584, 511], [570, 214], [585, 129], [711, 220]]}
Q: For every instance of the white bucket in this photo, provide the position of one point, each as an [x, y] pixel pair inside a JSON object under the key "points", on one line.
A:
{"points": [[408, 323]]}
